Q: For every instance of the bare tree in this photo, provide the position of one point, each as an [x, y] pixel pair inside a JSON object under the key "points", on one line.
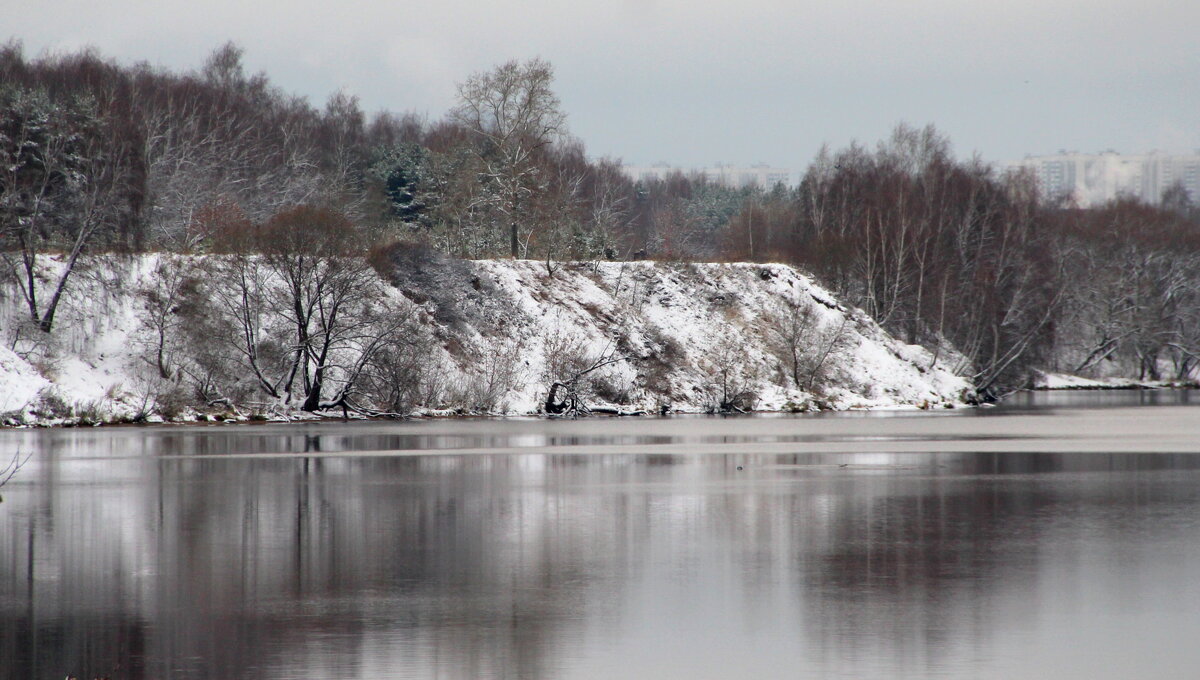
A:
{"points": [[403, 374], [611, 205], [568, 363], [936, 250], [500, 370], [733, 378], [223, 137], [798, 337], [61, 183], [10, 468], [514, 114], [557, 212], [1130, 306], [306, 317], [161, 299]]}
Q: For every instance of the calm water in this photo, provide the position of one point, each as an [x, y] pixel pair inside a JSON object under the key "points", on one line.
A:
{"points": [[998, 543]]}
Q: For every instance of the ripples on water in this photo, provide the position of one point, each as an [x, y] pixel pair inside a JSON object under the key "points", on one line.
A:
{"points": [[152, 553]]}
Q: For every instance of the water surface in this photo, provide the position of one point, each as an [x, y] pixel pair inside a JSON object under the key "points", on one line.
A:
{"points": [[994, 543]]}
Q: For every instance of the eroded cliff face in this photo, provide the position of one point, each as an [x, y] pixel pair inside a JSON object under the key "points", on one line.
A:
{"points": [[482, 337]]}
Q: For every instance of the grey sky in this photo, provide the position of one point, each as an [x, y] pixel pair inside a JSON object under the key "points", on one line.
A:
{"points": [[692, 82]]}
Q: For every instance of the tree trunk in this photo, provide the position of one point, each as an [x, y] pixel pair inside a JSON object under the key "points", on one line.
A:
{"points": [[312, 401], [554, 406]]}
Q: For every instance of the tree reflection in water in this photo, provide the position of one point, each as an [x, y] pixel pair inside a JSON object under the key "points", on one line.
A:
{"points": [[120, 557]]}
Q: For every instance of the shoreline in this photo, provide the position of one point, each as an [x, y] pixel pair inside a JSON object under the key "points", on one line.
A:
{"points": [[598, 416], [256, 419], [1126, 385], [1085, 428]]}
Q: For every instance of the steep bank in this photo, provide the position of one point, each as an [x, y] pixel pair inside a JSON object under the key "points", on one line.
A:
{"points": [[494, 337]]}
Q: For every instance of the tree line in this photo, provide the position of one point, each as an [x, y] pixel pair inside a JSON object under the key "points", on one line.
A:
{"points": [[101, 157], [97, 156], [959, 255]]}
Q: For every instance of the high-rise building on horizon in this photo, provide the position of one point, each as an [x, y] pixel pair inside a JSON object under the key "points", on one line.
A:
{"points": [[1093, 179]]}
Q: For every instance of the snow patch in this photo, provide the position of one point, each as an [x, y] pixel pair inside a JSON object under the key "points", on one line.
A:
{"points": [[20, 383], [1063, 381]]}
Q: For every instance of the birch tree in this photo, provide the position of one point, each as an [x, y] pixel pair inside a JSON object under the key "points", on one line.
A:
{"points": [[514, 115], [61, 180]]}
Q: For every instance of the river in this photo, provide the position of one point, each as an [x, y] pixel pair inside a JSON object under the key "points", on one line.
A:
{"points": [[1056, 536]]}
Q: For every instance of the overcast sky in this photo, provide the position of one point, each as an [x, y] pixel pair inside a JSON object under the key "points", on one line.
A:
{"points": [[693, 82]]}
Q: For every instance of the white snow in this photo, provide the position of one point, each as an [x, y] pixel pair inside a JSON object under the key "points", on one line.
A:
{"points": [[1064, 381], [671, 321], [20, 383], [681, 313]]}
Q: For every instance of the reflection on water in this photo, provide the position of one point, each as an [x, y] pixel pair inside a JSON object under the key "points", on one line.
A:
{"points": [[1039, 399], [120, 555]]}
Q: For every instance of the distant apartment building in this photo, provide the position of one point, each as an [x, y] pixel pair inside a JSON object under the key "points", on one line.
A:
{"points": [[1092, 179], [760, 175]]}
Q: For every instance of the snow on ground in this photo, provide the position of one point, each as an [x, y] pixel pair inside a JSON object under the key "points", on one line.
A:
{"points": [[1063, 381], [681, 325], [20, 383], [680, 336], [90, 364]]}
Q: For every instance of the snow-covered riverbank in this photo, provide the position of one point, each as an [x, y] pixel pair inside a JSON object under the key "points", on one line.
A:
{"points": [[1063, 381], [494, 336]]}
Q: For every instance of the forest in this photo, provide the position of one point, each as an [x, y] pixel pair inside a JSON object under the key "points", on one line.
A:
{"points": [[969, 261]]}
